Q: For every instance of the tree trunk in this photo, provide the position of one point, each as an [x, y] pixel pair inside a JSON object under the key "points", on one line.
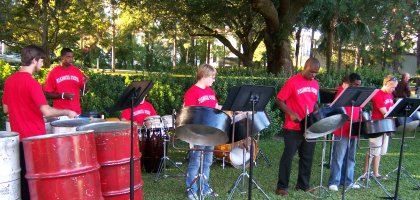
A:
{"points": [[340, 55], [330, 42], [298, 36], [44, 33], [418, 50], [311, 54], [208, 52], [278, 57], [396, 52], [174, 51]]}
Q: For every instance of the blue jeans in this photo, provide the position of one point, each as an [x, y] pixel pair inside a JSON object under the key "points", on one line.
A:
{"points": [[194, 167], [337, 162]]}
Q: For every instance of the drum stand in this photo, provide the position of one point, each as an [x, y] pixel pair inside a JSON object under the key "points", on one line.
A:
{"points": [[321, 189], [261, 153], [161, 173], [201, 179], [242, 176]]}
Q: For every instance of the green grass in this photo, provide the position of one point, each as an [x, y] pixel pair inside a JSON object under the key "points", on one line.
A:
{"points": [[223, 179]]}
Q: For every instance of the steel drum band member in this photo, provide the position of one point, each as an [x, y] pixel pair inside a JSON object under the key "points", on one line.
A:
{"points": [[25, 103], [64, 82], [143, 110], [299, 93], [201, 94], [381, 103], [341, 137]]}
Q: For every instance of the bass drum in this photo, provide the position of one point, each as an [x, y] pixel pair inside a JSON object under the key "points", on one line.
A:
{"points": [[235, 155]]}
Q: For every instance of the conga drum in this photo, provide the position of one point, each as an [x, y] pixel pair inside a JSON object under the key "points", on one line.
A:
{"points": [[114, 151], [62, 166], [9, 166], [235, 155], [152, 136]]}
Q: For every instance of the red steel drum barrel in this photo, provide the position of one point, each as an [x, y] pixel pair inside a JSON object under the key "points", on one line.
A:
{"points": [[113, 149], [62, 166]]}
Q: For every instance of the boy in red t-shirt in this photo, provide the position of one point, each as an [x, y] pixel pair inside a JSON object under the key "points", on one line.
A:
{"points": [[25, 103], [201, 94], [299, 93], [64, 83]]}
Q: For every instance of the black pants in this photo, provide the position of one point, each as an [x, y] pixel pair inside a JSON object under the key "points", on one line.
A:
{"points": [[293, 141], [24, 188]]}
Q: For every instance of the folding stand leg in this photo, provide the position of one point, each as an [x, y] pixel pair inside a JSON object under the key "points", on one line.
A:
{"points": [[161, 173], [241, 178], [321, 189], [403, 170], [261, 153], [201, 179]]}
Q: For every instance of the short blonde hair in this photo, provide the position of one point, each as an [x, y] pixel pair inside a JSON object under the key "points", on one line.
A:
{"points": [[205, 70], [389, 78]]}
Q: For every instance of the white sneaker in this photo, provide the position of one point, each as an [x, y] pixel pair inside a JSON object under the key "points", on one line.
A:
{"points": [[355, 186], [333, 188]]}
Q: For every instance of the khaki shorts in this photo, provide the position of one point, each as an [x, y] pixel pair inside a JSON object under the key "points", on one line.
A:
{"points": [[379, 145]]}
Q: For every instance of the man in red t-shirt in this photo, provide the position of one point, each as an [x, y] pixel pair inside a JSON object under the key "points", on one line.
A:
{"points": [[201, 94], [339, 160], [64, 83], [25, 103], [298, 95], [381, 103], [143, 110]]}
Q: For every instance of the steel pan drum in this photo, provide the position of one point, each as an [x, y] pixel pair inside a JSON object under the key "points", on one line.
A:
{"points": [[324, 121], [203, 126], [374, 128], [113, 148], [9, 166], [70, 125], [62, 166], [261, 122]]}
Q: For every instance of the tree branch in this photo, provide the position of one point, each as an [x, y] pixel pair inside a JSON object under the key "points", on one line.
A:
{"points": [[268, 11]]}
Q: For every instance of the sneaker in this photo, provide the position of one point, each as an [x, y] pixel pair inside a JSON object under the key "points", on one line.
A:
{"points": [[192, 196], [211, 193], [355, 186], [282, 192], [333, 188]]}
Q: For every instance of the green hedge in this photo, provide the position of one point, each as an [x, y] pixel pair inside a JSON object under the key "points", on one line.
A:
{"points": [[168, 91]]}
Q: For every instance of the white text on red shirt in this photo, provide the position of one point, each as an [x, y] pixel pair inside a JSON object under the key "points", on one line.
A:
{"points": [[66, 78], [307, 89], [206, 98], [140, 112]]}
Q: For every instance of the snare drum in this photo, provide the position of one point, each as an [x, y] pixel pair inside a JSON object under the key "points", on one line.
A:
{"points": [[235, 155], [153, 121]]}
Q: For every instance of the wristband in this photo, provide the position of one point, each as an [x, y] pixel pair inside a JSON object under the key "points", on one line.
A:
{"points": [[62, 95]]}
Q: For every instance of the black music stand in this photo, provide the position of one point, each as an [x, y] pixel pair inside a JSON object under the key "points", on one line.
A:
{"points": [[403, 108], [132, 96], [354, 97], [248, 98]]}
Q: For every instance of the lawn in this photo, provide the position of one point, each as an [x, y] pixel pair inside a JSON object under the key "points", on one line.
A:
{"points": [[266, 176]]}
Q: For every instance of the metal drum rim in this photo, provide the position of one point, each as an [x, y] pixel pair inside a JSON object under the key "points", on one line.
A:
{"points": [[6, 134], [85, 127], [56, 135]]}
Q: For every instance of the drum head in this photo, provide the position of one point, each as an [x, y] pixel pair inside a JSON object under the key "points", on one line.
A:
{"points": [[236, 157]]}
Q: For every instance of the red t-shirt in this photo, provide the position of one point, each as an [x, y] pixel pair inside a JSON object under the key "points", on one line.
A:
{"points": [[23, 96], [196, 96], [298, 93], [69, 80], [381, 100], [140, 112], [356, 115]]}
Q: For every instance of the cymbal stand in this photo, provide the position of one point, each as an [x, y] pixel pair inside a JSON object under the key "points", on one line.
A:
{"points": [[201, 179], [161, 173], [407, 173], [261, 153], [245, 174]]}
